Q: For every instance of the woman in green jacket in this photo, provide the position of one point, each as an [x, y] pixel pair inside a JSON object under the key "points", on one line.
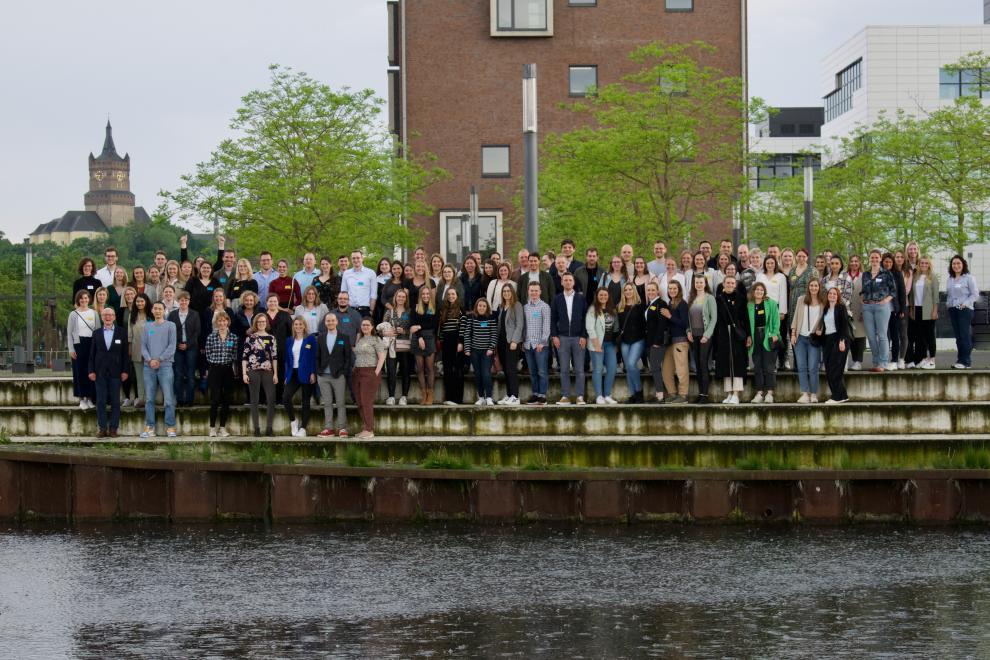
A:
{"points": [[764, 330]]}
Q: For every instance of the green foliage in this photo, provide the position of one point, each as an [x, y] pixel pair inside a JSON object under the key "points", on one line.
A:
{"points": [[172, 451], [662, 152], [440, 460], [309, 168], [4, 435], [355, 456], [206, 452]]}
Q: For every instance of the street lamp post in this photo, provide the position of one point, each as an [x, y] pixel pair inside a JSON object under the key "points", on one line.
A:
{"points": [[28, 366], [809, 194], [530, 154], [736, 223]]}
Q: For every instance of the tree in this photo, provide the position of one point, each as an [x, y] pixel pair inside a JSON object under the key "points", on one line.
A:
{"points": [[308, 170], [663, 152]]}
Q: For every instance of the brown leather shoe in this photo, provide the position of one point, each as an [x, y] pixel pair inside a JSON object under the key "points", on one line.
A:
{"points": [[113, 433], [101, 434]]}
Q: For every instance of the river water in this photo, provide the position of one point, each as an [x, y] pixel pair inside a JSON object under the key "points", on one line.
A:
{"points": [[374, 591]]}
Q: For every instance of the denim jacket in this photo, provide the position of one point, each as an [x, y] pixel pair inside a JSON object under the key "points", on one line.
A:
{"points": [[877, 288]]}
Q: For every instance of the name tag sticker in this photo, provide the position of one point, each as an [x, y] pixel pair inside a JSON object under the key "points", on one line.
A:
{"points": [[760, 312], [151, 332], [89, 286], [653, 308], [288, 286], [360, 283], [230, 343], [265, 341], [340, 342], [116, 341], [346, 319], [484, 324], [305, 345], [536, 315], [312, 313]]}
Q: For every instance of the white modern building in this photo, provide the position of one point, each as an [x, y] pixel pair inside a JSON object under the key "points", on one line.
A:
{"points": [[883, 69], [783, 141]]}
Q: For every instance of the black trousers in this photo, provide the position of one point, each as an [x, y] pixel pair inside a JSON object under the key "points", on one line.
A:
{"points": [[453, 369], [700, 352], [220, 384], [290, 391], [400, 364], [858, 348], [784, 343], [894, 335], [921, 338], [835, 364]]}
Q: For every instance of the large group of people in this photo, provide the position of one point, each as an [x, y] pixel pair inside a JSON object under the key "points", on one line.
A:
{"points": [[335, 325]]}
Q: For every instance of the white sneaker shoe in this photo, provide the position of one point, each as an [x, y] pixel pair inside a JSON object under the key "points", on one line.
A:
{"points": [[513, 401], [733, 400], [814, 398], [449, 403], [222, 432], [402, 401], [213, 432], [82, 404], [804, 398], [564, 401], [479, 402], [900, 364], [909, 365], [293, 427], [856, 366], [489, 402], [727, 397], [758, 398], [891, 366], [610, 401], [600, 400], [957, 365], [928, 364], [301, 433], [390, 401], [768, 398], [580, 401]]}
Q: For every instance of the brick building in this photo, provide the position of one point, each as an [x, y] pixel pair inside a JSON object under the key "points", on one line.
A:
{"points": [[455, 87]]}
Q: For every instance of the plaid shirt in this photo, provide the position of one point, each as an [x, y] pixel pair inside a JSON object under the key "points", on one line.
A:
{"points": [[537, 324], [219, 351]]}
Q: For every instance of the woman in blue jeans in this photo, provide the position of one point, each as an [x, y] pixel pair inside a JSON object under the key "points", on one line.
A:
{"points": [[807, 346], [479, 334], [962, 294], [878, 290], [632, 338], [603, 330]]}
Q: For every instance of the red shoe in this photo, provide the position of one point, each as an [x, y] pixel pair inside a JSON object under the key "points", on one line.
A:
{"points": [[327, 433], [877, 370], [342, 433]]}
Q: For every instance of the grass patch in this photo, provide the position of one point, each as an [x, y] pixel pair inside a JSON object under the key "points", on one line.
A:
{"points": [[4, 436], [354, 456], [976, 459], [206, 452], [440, 460], [172, 451], [761, 461]]}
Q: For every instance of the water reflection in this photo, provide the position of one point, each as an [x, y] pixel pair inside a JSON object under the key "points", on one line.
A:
{"points": [[550, 591]]}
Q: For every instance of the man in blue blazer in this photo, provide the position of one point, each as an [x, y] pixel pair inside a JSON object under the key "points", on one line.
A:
{"points": [[569, 337], [108, 359]]}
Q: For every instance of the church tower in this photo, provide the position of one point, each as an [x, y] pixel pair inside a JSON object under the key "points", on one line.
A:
{"points": [[110, 194]]}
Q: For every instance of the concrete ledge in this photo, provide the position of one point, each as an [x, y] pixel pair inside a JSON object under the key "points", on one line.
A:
{"points": [[915, 385], [550, 421]]}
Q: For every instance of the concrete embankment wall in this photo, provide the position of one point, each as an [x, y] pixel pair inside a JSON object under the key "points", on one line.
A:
{"points": [[37, 484]]}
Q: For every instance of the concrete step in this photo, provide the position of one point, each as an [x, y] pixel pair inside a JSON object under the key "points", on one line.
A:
{"points": [[879, 419], [906, 386]]}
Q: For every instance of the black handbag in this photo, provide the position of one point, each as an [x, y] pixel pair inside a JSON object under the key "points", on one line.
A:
{"points": [[813, 339]]}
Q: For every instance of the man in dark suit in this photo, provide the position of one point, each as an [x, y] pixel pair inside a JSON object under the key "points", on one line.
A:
{"points": [[108, 359], [569, 336], [333, 362], [534, 274], [187, 327]]}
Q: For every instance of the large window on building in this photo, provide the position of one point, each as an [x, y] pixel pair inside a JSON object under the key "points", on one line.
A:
{"points": [[775, 167], [847, 81], [522, 15], [953, 83], [679, 5], [582, 79], [459, 236], [582, 3], [495, 160]]}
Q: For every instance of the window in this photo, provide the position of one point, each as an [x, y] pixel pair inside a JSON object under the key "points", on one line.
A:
{"points": [[787, 129], [847, 81], [954, 83], [773, 167], [582, 79], [528, 17], [806, 129], [582, 3], [679, 5], [458, 237], [495, 160]]}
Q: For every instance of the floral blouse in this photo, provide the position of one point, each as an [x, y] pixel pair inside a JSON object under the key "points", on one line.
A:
{"points": [[260, 352]]}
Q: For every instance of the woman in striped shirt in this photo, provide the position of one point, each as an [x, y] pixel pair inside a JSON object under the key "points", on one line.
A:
{"points": [[479, 333]]}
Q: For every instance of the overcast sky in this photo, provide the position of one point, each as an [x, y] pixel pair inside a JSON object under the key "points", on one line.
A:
{"points": [[170, 75]]}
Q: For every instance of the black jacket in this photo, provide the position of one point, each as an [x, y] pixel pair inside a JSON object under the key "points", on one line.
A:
{"points": [[547, 289], [842, 327], [112, 362], [632, 324], [339, 360], [192, 328], [655, 322]]}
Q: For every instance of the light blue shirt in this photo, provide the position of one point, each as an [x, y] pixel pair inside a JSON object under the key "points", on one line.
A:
{"points": [[306, 279], [361, 286], [108, 336], [962, 291], [263, 282], [331, 341]]}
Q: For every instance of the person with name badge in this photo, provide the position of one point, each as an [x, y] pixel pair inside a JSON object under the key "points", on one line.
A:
{"points": [[221, 356], [361, 285], [107, 368]]}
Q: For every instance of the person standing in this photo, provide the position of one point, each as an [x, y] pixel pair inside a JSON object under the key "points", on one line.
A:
{"points": [[258, 371], [602, 327], [308, 273], [266, 275], [423, 335], [221, 355], [511, 332], [836, 336], [369, 359], [961, 301], [311, 311], [730, 338], [139, 316], [922, 314], [657, 335], [702, 315], [328, 285], [898, 311], [105, 274], [569, 337], [86, 281], [675, 359], [333, 361], [878, 290], [244, 280], [158, 344], [775, 288], [287, 288], [399, 360], [658, 266], [360, 284], [479, 333], [107, 369], [82, 323], [300, 372], [807, 344], [631, 319], [764, 333], [452, 350], [541, 277], [187, 329], [538, 324]]}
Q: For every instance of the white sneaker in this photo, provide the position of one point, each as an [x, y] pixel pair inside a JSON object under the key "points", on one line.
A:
{"points": [[513, 401], [126, 403], [909, 365], [390, 401], [449, 403], [758, 398], [768, 398], [489, 402], [293, 427], [222, 433], [600, 400], [787, 364], [733, 400], [856, 366], [610, 401], [900, 364], [213, 431], [957, 365], [402, 401], [479, 402], [928, 364], [814, 398], [301, 433], [580, 401], [891, 366], [82, 404], [804, 398], [727, 397]]}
